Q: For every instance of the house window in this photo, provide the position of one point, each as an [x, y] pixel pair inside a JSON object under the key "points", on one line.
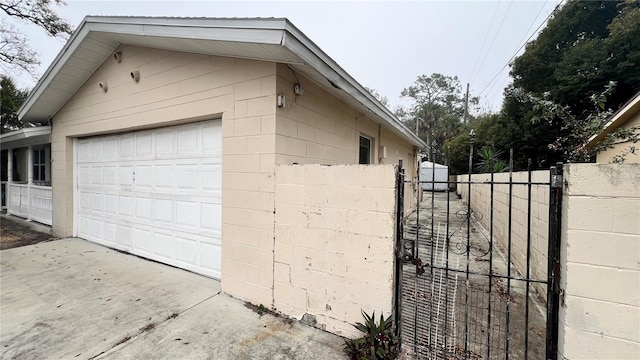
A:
{"points": [[39, 165], [365, 150]]}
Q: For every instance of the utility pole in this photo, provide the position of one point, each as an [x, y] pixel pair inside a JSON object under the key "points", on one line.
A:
{"points": [[466, 105]]}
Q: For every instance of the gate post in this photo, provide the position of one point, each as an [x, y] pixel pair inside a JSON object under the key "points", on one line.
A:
{"points": [[399, 245], [553, 270]]}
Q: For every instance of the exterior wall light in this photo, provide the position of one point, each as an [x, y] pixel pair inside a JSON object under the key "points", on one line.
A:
{"points": [[117, 56], [298, 89], [104, 86], [135, 75]]}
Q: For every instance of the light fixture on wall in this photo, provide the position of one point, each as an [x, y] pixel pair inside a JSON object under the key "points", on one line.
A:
{"points": [[281, 101], [104, 86], [135, 75], [298, 89], [117, 56]]}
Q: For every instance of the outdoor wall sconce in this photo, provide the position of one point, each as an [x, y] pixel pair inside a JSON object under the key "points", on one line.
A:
{"points": [[135, 75], [281, 101], [298, 89], [104, 86], [117, 56]]}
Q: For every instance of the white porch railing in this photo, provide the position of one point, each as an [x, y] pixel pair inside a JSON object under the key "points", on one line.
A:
{"points": [[30, 201]]}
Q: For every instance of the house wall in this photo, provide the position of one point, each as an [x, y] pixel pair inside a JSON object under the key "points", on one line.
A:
{"points": [[481, 202], [600, 262], [318, 128], [176, 88], [605, 157], [334, 242]]}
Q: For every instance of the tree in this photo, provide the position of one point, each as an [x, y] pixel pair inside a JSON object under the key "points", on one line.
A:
{"points": [[10, 100], [14, 49], [383, 99], [583, 48], [437, 110]]}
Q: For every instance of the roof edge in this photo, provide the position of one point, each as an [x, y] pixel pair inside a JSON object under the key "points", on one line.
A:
{"points": [[25, 133], [618, 118], [358, 91]]}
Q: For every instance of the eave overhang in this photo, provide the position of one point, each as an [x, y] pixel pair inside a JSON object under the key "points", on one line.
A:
{"points": [[265, 39]]}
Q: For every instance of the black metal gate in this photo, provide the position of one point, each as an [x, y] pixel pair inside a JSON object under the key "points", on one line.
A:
{"points": [[459, 292]]}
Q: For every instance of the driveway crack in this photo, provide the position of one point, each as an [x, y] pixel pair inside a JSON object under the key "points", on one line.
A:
{"points": [[150, 326]]}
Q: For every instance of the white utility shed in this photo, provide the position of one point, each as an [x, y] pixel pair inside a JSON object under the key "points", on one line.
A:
{"points": [[427, 171]]}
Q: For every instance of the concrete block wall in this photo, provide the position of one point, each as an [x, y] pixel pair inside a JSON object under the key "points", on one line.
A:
{"points": [[539, 215], [334, 238], [600, 262]]}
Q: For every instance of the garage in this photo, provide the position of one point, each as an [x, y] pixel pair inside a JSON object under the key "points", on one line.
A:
{"points": [[154, 193]]}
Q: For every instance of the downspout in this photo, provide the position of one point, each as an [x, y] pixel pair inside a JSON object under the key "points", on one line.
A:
{"points": [[379, 143]]}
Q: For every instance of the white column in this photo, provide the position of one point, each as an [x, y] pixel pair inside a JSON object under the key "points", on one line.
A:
{"points": [[7, 190], [29, 180]]}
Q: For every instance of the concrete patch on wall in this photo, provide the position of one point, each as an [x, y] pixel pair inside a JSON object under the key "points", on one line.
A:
{"points": [[334, 238]]}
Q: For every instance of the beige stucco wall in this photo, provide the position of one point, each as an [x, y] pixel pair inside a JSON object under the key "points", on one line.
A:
{"points": [[318, 128], [334, 238], [621, 147], [481, 202], [600, 315], [174, 88]]}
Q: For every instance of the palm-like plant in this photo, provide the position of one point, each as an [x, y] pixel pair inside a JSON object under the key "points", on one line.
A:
{"points": [[378, 342], [490, 161]]}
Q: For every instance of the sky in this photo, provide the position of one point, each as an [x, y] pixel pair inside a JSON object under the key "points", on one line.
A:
{"points": [[384, 45]]}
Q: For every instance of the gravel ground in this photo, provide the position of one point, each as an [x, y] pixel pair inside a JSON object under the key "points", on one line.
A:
{"points": [[14, 233]]}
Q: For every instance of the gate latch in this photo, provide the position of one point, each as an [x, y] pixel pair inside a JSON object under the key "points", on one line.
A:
{"points": [[556, 181]]}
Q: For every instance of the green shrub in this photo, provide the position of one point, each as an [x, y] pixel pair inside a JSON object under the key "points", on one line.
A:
{"points": [[378, 342]]}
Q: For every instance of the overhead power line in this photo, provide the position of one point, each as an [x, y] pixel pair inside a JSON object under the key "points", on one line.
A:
{"points": [[520, 48]]}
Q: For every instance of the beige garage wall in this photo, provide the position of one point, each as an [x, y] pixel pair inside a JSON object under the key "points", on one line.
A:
{"points": [[621, 147], [600, 307], [334, 242], [178, 87], [318, 128]]}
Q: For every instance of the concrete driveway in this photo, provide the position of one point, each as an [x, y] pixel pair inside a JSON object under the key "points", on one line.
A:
{"points": [[71, 299]]}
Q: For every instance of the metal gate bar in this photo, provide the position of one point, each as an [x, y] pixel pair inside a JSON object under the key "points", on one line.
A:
{"points": [[429, 303]]}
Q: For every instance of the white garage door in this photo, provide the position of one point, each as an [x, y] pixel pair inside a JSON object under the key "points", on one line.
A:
{"points": [[155, 193]]}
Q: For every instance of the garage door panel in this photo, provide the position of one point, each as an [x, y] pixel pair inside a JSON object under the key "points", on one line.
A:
{"points": [[187, 214], [210, 214], [185, 250], [163, 244], [210, 256], [110, 149], [164, 177], [165, 143], [143, 239], [84, 175], [97, 204], [126, 205], [110, 174], [125, 147], [109, 233], [125, 175], [188, 141], [143, 208], [187, 176], [163, 211], [111, 204], [96, 149], [143, 177], [143, 145], [124, 236], [155, 193]]}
